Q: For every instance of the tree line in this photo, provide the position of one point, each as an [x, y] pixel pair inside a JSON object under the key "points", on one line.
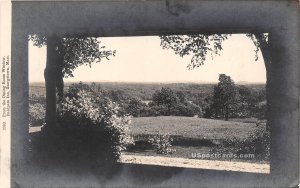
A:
{"points": [[231, 101], [227, 100]]}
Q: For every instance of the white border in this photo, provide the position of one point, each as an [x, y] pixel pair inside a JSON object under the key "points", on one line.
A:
{"points": [[5, 131]]}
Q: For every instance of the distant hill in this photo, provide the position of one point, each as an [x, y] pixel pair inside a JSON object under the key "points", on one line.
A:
{"points": [[144, 91]]}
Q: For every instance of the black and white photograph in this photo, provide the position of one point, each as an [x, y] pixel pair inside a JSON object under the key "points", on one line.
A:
{"points": [[179, 100], [105, 97]]}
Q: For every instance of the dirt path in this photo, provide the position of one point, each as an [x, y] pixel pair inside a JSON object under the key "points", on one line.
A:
{"points": [[197, 163]]}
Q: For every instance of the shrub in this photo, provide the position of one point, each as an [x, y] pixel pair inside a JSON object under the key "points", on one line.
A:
{"points": [[188, 110], [37, 98], [36, 114], [98, 118], [162, 144], [260, 110], [158, 110], [257, 143], [176, 109]]}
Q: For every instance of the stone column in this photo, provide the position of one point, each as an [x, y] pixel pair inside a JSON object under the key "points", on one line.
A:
{"points": [[19, 103], [283, 108]]}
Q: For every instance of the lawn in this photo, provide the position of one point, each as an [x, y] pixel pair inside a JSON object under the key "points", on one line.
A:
{"points": [[190, 134], [191, 127]]}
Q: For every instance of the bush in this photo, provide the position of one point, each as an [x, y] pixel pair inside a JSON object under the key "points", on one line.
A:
{"points": [[36, 114], [176, 109], [96, 122], [162, 144], [158, 110], [260, 110], [257, 143]]}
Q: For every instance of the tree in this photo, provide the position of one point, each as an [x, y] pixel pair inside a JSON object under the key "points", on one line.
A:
{"points": [[207, 107], [225, 97], [165, 96], [116, 95], [198, 45], [249, 99], [181, 96], [63, 56], [201, 45], [136, 108]]}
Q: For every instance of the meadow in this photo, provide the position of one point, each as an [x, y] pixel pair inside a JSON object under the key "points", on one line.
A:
{"points": [[192, 127], [192, 135]]}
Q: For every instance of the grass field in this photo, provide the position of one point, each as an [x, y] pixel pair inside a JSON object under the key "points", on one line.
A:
{"points": [[190, 134], [191, 127]]}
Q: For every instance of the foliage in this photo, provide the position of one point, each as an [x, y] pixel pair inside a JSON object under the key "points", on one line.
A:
{"points": [[260, 110], [73, 52], [193, 99], [251, 103], [246, 101], [165, 96], [78, 51], [166, 102], [38, 40], [199, 45], [207, 107], [75, 89], [37, 98], [224, 98], [137, 108], [238, 101], [87, 111], [181, 96], [257, 143], [260, 40], [158, 110], [36, 114], [162, 143], [187, 109]]}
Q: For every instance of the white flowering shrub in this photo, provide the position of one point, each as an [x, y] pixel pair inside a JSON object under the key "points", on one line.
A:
{"points": [[82, 109], [116, 126], [36, 114], [162, 143], [96, 119]]}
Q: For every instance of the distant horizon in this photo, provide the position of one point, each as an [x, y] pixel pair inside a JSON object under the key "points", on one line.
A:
{"points": [[154, 82]]}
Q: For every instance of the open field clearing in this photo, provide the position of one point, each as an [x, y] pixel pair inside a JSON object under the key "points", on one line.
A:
{"points": [[191, 127], [194, 135]]}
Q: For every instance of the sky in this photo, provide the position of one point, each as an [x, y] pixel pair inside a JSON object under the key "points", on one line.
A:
{"points": [[142, 59]]}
